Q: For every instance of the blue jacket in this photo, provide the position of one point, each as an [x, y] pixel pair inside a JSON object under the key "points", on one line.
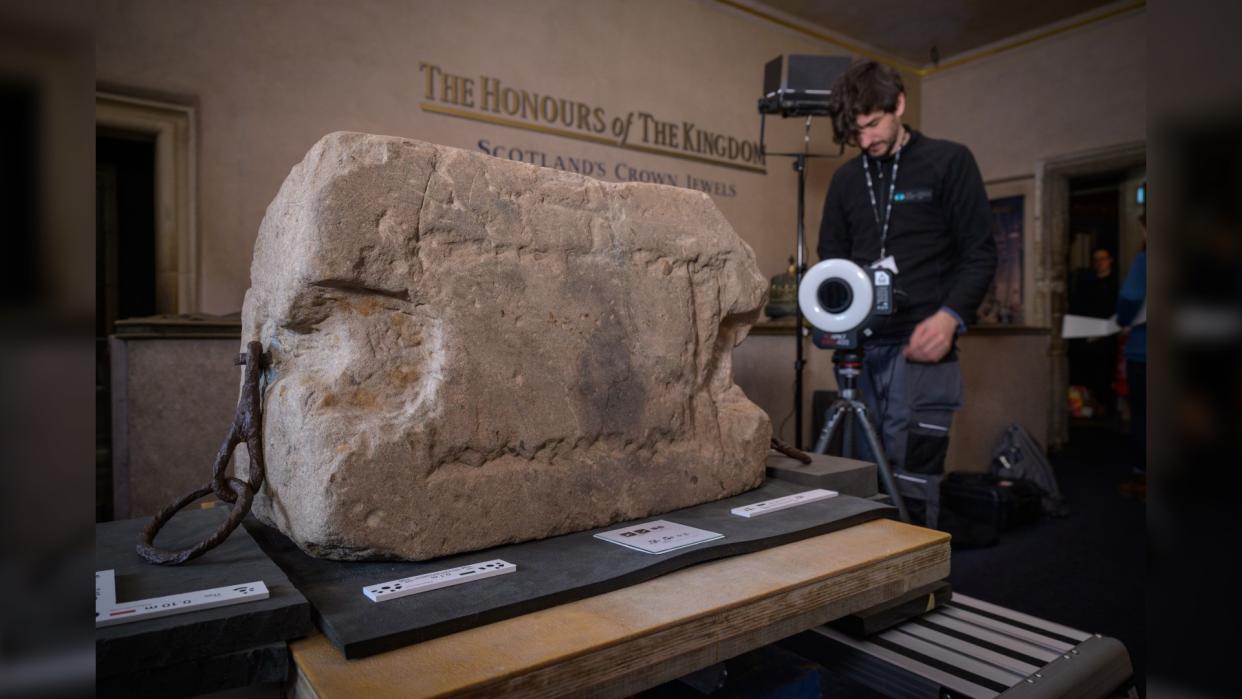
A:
{"points": [[1133, 294]]}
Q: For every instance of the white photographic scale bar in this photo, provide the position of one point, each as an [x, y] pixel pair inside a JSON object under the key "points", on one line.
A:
{"points": [[155, 607], [413, 585], [784, 503]]}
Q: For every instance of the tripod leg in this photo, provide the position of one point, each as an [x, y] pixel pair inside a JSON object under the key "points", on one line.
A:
{"points": [[835, 412], [848, 450], [881, 461]]}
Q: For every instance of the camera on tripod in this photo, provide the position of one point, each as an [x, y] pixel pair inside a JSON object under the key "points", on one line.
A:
{"points": [[841, 301]]}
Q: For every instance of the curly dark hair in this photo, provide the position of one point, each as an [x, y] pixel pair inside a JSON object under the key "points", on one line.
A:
{"points": [[864, 87]]}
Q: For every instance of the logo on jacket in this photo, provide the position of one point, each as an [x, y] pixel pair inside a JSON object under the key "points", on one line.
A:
{"points": [[911, 196]]}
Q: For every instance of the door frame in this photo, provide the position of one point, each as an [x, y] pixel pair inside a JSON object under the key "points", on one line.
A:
{"points": [[1052, 199], [176, 231]]}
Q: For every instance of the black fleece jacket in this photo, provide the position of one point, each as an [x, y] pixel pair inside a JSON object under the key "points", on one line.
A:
{"points": [[940, 233]]}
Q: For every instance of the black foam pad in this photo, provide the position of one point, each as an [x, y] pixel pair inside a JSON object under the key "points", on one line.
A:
{"points": [[550, 572]]}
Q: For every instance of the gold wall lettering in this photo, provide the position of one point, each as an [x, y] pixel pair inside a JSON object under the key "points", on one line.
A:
{"points": [[489, 100]]}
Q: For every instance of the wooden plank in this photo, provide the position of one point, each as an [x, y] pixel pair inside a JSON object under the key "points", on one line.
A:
{"points": [[624, 641]]}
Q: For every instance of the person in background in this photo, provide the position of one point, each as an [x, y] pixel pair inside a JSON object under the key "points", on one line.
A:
{"points": [[1096, 291], [1094, 359]]}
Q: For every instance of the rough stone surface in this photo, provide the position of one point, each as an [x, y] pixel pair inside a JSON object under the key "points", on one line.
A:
{"points": [[469, 351]]}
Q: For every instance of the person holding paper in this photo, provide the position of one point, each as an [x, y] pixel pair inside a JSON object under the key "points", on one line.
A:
{"points": [[1093, 360]]}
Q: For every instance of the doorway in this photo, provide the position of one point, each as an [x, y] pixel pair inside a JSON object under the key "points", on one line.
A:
{"points": [[145, 244], [1073, 190], [1104, 234], [125, 270]]}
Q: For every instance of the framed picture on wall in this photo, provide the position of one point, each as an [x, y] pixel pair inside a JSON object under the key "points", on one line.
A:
{"points": [[1012, 216]]}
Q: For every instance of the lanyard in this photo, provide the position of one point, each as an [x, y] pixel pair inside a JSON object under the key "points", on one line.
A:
{"points": [[892, 191]]}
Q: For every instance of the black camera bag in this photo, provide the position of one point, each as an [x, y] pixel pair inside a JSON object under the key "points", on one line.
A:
{"points": [[983, 498]]}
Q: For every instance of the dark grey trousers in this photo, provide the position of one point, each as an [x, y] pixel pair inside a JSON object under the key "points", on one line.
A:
{"points": [[911, 405]]}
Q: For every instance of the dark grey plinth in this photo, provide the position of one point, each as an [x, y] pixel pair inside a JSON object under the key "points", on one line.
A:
{"points": [[846, 476], [266, 664], [182, 638], [550, 572], [174, 392]]}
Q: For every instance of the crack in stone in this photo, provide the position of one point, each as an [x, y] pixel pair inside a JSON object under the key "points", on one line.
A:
{"points": [[355, 287]]}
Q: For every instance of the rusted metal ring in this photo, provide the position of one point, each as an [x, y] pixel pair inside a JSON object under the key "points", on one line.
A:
{"points": [[220, 482], [791, 451], [243, 494], [247, 424]]}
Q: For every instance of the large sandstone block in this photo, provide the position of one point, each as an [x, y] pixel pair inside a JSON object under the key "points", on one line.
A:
{"points": [[470, 351]]}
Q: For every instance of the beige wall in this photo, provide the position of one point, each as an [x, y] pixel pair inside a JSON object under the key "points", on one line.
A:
{"points": [[1080, 90], [763, 366], [268, 79], [1006, 378]]}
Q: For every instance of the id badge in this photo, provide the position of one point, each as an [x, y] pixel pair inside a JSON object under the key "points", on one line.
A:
{"points": [[887, 262]]}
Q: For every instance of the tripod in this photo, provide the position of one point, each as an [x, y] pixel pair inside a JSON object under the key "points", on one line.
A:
{"points": [[799, 166], [849, 366]]}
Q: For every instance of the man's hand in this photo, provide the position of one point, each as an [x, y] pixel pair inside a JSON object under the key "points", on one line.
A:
{"points": [[932, 338]]}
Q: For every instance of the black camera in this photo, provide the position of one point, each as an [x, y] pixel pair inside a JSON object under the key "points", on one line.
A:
{"points": [[841, 300]]}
